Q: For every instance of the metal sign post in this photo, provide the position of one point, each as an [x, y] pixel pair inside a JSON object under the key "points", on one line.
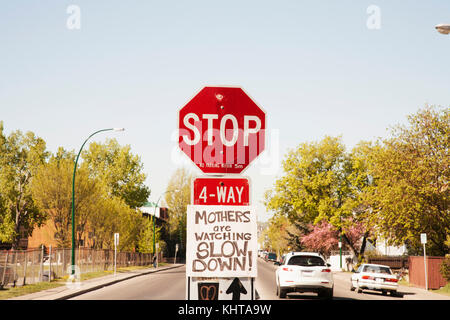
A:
{"points": [[157, 249], [176, 250], [423, 240]]}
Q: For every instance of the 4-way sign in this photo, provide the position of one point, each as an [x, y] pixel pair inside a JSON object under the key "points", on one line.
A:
{"points": [[221, 191]]}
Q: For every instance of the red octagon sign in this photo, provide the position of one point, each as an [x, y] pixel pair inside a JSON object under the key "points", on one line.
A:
{"points": [[222, 130]]}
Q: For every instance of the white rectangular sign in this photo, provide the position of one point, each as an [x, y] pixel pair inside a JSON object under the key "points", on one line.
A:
{"points": [[423, 238], [116, 239], [221, 241]]}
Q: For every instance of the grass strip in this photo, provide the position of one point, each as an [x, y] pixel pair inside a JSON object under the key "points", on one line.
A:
{"points": [[7, 293]]}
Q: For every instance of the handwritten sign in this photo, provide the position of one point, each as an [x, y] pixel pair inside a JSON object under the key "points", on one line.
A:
{"points": [[221, 241], [221, 289], [208, 291]]}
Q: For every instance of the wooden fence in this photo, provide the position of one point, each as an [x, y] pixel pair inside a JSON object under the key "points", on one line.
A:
{"points": [[396, 263], [417, 272]]}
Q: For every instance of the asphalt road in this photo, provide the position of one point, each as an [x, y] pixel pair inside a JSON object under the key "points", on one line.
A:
{"points": [[171, 285], [163, 285]]}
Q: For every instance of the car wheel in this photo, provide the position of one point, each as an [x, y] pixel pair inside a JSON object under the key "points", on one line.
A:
{"points": [[326, 293], [352, 288], [281, 293], [358, 289], [393, 293]]}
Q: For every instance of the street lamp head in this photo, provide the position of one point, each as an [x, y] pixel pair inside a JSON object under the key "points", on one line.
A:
{"points": [[443, 28], [119, 129]]}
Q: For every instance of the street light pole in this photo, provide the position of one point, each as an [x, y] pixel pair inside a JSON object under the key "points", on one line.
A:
{"points": [[154, 224], [73, 193], [443, 28]]}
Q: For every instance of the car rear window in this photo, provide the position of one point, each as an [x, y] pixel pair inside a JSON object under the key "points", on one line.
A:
{"points": [[272, 256], [306, 261], [377, 269]]}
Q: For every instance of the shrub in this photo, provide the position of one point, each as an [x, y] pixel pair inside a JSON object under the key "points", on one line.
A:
{"points": [[445, 267]]}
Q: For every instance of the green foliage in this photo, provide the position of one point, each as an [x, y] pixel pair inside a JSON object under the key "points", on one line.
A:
{"points": [[395, 188], [411, 174], [315, 183], [276, 234], [37, 189], [321, 183], [177, 197], [52, 192], [119, 170], [445, 268], [20, 156], [113, 215], [145, 240]]}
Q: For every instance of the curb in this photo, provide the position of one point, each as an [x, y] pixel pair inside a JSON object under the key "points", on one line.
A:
{"points": [[79, 293]]}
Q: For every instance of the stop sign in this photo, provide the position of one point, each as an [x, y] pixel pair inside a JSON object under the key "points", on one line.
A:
{"points": [[222, 130]]}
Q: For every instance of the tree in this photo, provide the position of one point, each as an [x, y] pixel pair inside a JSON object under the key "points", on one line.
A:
{"points": [[177, 197], [324, 238], [295, 233], [277, 234], [119, 170], [52, 192], [411, 177], [20, 156], [321, 183], [315, 184], [145, 240], [113, 215]]}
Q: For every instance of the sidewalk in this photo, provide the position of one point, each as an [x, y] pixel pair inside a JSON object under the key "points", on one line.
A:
{"points": [[409, 293], [72, 290]]}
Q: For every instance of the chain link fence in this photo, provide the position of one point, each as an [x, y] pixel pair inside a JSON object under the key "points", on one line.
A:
{"points": [[20, 267]]}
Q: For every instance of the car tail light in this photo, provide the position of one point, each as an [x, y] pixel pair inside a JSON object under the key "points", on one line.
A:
{"points": [[326, 270], [391, 280], [286, 269], [367, 278]]}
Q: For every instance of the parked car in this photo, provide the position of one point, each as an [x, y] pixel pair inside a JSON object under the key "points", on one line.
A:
{"points": [[374, 277], [304, 272], [271, 257]]}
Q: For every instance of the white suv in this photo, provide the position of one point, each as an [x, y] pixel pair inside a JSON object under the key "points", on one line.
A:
{"points": [[304, 272]]}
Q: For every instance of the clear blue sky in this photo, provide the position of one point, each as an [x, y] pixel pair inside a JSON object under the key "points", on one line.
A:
{"points": [[314, 66]]}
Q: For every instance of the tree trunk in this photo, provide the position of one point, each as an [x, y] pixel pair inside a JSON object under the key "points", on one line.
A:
{"points": [[363, 244], [352, 247], [15, 242]]}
